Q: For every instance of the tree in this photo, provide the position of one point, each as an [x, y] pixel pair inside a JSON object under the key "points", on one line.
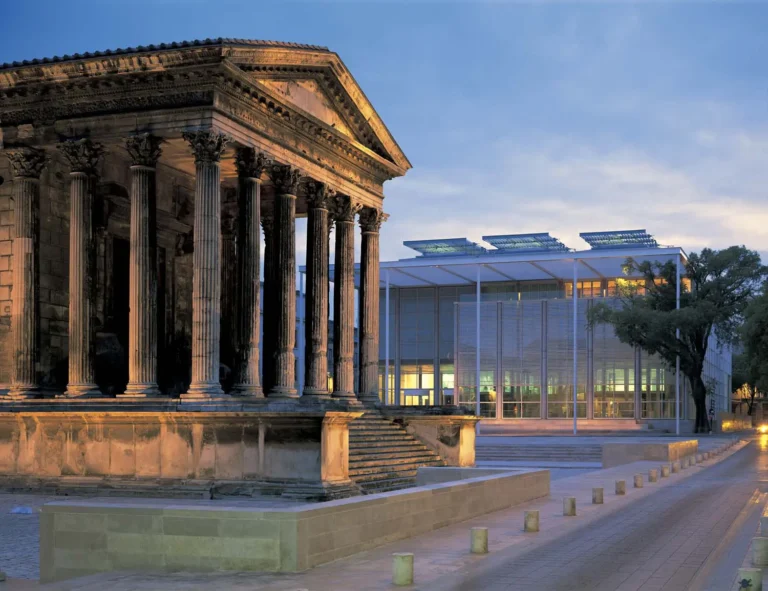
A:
{"points": [[754, 334], [718, 285], [743, 389]]}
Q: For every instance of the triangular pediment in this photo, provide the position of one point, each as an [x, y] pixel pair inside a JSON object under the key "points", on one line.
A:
{"points": [[307, 96]]}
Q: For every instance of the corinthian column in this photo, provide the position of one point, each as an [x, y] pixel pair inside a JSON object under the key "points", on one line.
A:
{"points": [[144, 150], [370, 223], [27, 164], [83, 156], [319, 198], [207, 147], [344, 299], [268, 342], [286, 179], [247, 310]]}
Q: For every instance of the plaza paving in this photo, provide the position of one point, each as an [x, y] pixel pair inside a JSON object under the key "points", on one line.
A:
{"points": [[657, 537]]}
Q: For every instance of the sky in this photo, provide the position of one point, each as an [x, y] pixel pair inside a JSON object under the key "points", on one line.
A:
{"points": [[560, 117]]}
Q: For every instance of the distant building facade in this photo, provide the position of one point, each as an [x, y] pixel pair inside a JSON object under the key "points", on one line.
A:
{"points": [[519, 365]]}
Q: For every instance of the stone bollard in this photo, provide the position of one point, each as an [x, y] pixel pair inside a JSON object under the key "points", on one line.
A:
{"points": [[478, 543], [699, 458], [638, 481], [750, 578], [684, 464], [2, 576], [665, 470], [531, 524], [597, 496], [675, 467], [569, 506], [402, 569], [693, 460], [621, 487], [759, 552], [653, 475]]}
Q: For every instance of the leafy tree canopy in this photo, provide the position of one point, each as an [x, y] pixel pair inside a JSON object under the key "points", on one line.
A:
{"points": [[716, 288], [755, 338]]}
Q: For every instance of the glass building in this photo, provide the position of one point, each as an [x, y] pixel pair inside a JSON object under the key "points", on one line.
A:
{"points": [[492, 326]]}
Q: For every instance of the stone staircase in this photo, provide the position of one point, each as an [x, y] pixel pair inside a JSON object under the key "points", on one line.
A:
{"points": [[383, 456], [540, 453]]}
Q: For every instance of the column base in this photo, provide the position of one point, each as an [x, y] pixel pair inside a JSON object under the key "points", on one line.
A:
{"points": [[369, 399], [347, 397], [139, 390], [283, 392], [315, 394], [203, 391], [246, 391], [81, 391], [23, 392]]}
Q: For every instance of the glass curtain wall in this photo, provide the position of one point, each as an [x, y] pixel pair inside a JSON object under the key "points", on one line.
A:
{"points": [[467, 356], [387, 397], [560, 359], [613, 373], [521, 348], [417, 346], [657, 388]]}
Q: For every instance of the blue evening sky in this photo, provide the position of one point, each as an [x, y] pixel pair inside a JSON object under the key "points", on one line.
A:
{"points": [[517, 116]]}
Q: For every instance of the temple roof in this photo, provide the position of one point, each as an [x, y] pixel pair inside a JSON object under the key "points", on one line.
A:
{"points": [[220, 41]]}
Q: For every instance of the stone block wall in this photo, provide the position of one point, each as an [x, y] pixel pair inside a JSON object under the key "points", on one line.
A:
{"points": [[175, 213], [78, 538]]}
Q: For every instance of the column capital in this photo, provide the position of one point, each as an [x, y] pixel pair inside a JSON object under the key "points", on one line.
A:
{"points": [[144, 149], [83, 155], [286, 178], [371, 219], [249, 163], [26, 162], [344, 209], [320, 195], [206, 145]]}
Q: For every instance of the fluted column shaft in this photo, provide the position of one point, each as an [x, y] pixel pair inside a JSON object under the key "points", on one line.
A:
{"points": [[344, 301], [27, 164], [142, 317], [82, 379], [370, 223], [270, 312], [284, 243], [83, 156], [206, 266], [316, 314], [247, 309]]}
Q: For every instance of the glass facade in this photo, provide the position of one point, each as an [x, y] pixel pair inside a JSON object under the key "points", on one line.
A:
{"points": [[526, 354]]}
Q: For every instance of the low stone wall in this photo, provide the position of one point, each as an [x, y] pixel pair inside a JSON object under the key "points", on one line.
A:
{"points": [[78, 538], [616, 454], [303, 453], [428, 475]]}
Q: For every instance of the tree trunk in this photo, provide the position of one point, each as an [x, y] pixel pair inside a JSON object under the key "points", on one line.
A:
{"points": [[699, 392]]}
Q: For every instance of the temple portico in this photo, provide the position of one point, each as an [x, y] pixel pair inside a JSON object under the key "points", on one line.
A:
{"points": [[267, 131]]}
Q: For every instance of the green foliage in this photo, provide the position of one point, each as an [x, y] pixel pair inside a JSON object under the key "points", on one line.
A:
{"points": [[718, 285], [755, 338]]}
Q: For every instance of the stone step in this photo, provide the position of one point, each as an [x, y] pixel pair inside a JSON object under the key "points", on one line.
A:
{"points": [[367, 461], [387, 484], [366, 437], [386, 452], [386, 444], [355, 472], [368, 479], [388, 427]]}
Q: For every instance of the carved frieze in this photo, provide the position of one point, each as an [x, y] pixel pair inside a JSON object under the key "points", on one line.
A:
{"points": [[26, 162]]}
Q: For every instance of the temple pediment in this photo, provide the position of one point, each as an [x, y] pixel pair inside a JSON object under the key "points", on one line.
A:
{"points": [[307, 96]]}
